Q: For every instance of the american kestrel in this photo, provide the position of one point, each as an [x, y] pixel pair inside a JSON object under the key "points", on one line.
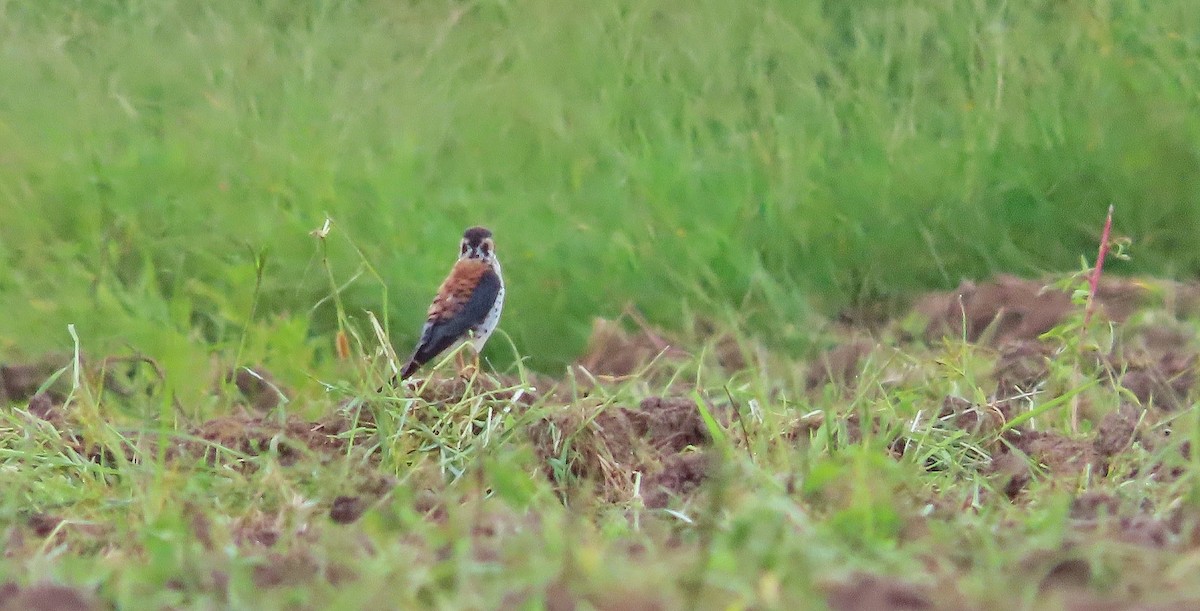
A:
{"points": [[467, 306]]}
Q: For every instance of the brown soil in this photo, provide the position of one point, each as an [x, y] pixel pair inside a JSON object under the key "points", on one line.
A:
{"points": [[979, 420], [256, 531], [347, 509], [1117, 430], [1068, 574], [1056, 453], [1010, 308], [840, 365], [871, 593], [20, 381], [45, 597], [258, 387], [1163, 380], [1155, 360], [1103, 514], [614, 350], [681, 475], [278, 570], [670, 424], [453, 389], [252, 435], [611, 445], [1022, 366], [660, 448]]}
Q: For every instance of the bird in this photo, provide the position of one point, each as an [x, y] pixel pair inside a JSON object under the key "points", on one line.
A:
{"points": [[468, 303]]}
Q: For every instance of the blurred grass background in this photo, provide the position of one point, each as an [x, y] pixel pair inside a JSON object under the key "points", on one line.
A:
{"points": [[766, 159]]}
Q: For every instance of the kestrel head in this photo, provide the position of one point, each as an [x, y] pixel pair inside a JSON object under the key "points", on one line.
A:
{"points": [[477, 244]]}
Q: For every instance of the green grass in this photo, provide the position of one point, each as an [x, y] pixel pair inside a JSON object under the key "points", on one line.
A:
{"points": [[781, 155], [757, 164], [475, 498]]}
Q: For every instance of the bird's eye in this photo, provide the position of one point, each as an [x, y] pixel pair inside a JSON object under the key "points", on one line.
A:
{"points": [[464, 248]]}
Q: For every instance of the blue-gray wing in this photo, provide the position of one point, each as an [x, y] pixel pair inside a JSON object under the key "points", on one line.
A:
{"points": [[442, 332]]}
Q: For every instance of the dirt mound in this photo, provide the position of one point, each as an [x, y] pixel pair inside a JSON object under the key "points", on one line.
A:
{"points": [[347, 509], [978, 420], [277, 570], [608, 447], [1057, 454], [1157, 362], [233, 438], [680, 476], [258, 387], [1164, 381], [1010, 308], [453, 389], [1117, 430], [613, 350], [1153, 359], [1021, 367], [46, 597], [670, 424], [21, 381], [864, 592], [840, 365]]}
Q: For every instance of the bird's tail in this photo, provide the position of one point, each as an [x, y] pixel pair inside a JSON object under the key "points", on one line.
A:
{"points": [[409, 369]]}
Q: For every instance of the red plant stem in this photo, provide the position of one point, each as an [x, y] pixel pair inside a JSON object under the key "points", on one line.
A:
{"points": [[1094, 280]]}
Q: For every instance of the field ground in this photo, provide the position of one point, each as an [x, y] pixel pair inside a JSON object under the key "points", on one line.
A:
{"points": [[985, 452], [734, 369]]}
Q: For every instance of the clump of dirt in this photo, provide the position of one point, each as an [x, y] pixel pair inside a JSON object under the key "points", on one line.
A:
{"points": [[255, 531], [46, 597], [598, 447], [200, 525], [670, 424], [680, 476], [41, 530], [614, 351], [1164, 381], [278, 570], [1009, 308], [1011, 473], [253, 435], [1093, 505], [1067, 574], [979, 420], [453, 389], [1143, 530], [840, 365], [1059, 456], [21, 381], [347, 509], [1117, 430], [1022, 366], [1100, 513], [45, 407], [258, 387], [609, 447], [43, 524], [864, 592]]}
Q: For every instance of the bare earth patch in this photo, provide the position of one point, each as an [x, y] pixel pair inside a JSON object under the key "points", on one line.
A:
{"points": [[600, 447]]}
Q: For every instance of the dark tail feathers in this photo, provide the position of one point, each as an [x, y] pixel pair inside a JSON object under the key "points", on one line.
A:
{"points": [[409, 369]]}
